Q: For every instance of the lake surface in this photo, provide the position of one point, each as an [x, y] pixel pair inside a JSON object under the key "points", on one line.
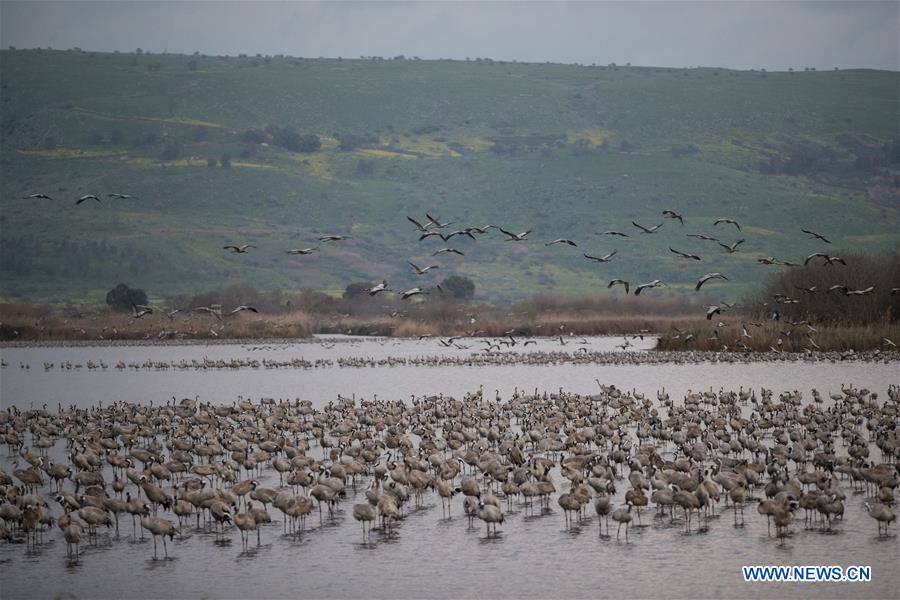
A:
{"points": [[427, 555], [81, 387]]}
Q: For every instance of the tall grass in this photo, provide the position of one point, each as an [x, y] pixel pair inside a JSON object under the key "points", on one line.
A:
{"points": [[21, 323], [783, 337], [435, 318]]}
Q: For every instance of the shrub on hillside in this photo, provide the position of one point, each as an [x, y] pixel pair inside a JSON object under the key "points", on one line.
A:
{"points": [[800, 157], [350, 141], [255, 136], [291, 139], [456, 286], [122, 297], [356, 290]]}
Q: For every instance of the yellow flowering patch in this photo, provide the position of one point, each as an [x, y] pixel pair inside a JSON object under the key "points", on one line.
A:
{"points": [[68, 153], [475, 143], [328, 143], [377, 153], [142, 161], [173, 120], [249, 165], [595, 136], [425, 147], [317, 163]]}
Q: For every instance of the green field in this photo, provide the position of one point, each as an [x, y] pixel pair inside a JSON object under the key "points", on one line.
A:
{"points": [[568, 151]]}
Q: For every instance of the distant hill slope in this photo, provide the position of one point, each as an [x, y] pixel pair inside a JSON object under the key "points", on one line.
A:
{"points": [[568, 151]]}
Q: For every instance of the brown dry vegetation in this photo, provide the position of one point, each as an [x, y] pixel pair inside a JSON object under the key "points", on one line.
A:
{"points": [[323, 314], [866, 322], [23, 323]]}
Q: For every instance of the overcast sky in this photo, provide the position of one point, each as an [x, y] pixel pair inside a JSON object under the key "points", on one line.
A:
{"points": [[743, 35]]}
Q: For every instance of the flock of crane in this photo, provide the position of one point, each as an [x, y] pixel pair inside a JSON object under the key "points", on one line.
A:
{"points": [[432, 227], [188, 465]]}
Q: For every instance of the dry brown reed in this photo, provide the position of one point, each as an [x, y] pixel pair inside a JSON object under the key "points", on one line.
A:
{"points": [[783, 337]]}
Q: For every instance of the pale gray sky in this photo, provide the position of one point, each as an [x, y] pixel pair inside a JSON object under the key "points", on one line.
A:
{"points": [[743, 35]]}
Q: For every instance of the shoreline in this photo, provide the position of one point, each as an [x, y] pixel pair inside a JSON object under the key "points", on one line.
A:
{"points": [[317, 338], [768, 340], [648, 357]]}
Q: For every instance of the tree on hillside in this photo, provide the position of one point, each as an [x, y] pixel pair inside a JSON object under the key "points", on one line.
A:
{"points": [[255, 136], [290, 139], [461, 288], [355, 290], [122, 297], [310, 142], [351, 141]]}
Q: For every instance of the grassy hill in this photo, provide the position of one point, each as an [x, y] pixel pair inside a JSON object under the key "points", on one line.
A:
{"points": [[568, 151]]}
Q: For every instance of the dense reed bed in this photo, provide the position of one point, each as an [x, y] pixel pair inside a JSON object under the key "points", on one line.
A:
{"points": [[784, 337], [25, 323]]}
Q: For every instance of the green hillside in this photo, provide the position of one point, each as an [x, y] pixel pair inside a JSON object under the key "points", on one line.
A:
{"points": [[568, 151]]}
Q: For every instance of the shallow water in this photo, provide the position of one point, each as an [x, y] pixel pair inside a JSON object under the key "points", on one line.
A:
{"points": [[428, 556], [81, 387]]}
